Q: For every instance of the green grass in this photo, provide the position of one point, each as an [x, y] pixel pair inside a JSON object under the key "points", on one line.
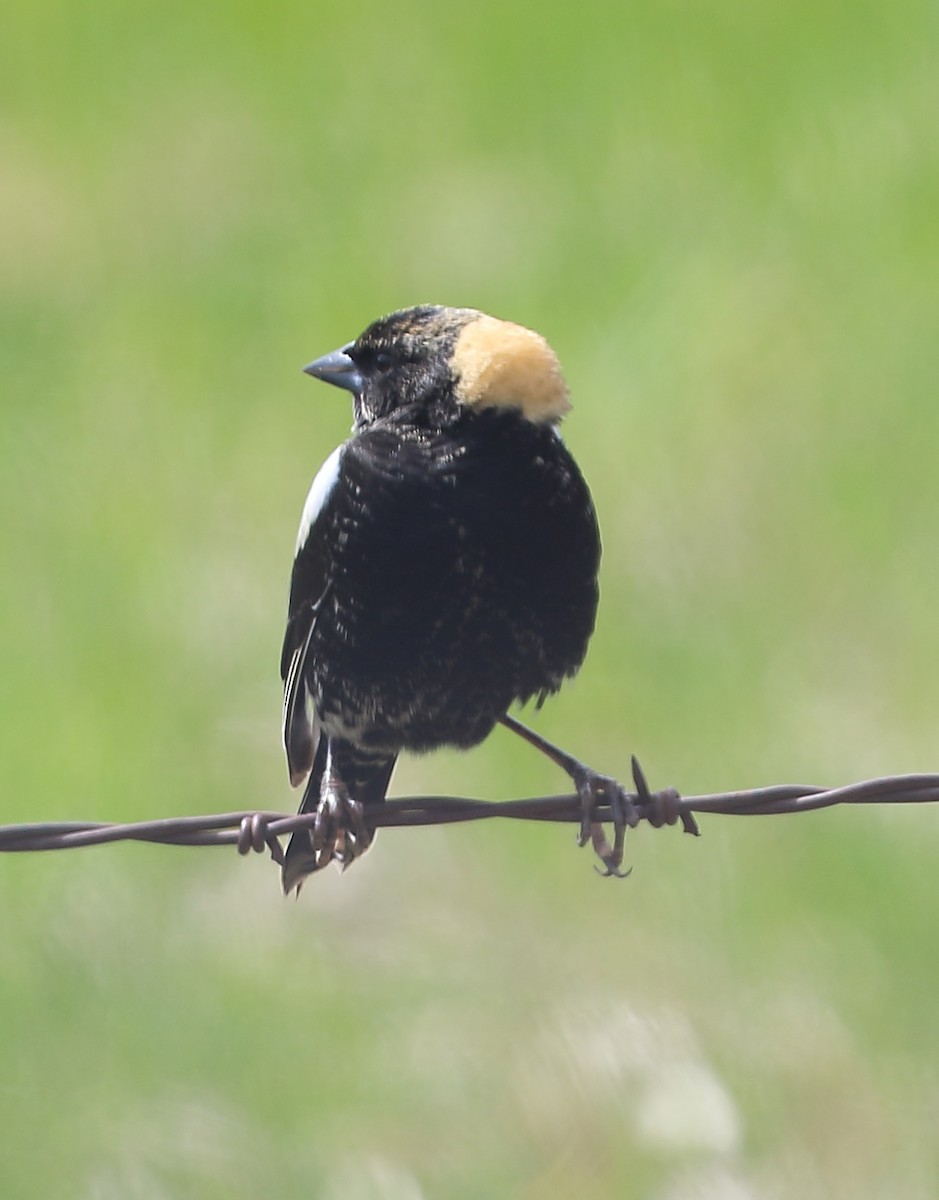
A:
{"points": [[724, 218]]}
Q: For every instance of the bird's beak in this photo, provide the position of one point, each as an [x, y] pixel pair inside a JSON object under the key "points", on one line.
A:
{"points": [[339, 369]]}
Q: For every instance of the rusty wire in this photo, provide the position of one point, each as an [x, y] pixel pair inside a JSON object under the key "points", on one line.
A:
{"points": [[260, 830]]}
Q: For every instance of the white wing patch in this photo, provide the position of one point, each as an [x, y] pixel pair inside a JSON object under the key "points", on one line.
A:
{"points": [[319, 493]]}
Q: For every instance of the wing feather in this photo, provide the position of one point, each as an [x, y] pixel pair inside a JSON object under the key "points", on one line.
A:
{"points": [[309, 583], [300, 725]]}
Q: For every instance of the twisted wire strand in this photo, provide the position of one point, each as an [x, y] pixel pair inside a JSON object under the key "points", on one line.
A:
{"points": [[260, 830]]}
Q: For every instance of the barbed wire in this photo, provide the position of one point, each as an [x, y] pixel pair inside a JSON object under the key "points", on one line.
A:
{"points": [[262, 830]]}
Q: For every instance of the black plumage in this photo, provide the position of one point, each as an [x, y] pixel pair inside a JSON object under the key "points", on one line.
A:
{"points": [[446, 565]]}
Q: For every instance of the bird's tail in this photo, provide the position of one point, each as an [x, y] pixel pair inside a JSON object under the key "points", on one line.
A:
{"points": [[340, 773]]}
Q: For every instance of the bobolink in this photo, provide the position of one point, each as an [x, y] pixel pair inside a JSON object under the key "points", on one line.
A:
{"points": [[446, 563]]}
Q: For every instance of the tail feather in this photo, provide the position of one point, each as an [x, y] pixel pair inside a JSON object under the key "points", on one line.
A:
{"points": [[365, 775]]}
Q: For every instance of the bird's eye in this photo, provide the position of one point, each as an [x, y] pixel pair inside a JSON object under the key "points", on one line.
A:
{"points": [[370, 359]]}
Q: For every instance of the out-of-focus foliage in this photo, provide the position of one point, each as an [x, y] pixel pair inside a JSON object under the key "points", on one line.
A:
{"points": [[725, 219]]}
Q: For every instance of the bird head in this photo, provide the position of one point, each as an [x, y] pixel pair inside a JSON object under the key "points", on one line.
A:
{"points": [[441, 361]]}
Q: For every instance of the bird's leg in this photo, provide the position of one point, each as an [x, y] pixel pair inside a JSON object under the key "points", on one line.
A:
{"points": [[339, 830], [592, 788]]}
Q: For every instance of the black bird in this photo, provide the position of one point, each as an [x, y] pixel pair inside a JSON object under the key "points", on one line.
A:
{"points": [[446, 564]]}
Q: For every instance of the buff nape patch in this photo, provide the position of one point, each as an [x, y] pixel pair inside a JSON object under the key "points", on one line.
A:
{"points": [[499, 364]]}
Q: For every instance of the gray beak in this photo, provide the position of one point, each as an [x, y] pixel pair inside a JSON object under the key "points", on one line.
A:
{"points": [[339, 369]]}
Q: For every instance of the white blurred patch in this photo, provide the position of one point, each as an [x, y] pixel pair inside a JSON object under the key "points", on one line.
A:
{"points": [[686, 1106], [711, 1184], [601, 1063], [374, 1178], [153, 1144]]}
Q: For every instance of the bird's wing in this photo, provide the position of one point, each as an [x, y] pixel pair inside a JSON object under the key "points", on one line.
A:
{"points": [[300, 732], [395, 474], [309, 584]]}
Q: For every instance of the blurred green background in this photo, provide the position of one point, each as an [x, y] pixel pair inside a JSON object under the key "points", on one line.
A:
{"points": [[726, 220]]}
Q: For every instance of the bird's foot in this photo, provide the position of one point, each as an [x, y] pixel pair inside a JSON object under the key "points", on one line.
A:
{"points": [[339, 831], [597, 791], [594, 790]]}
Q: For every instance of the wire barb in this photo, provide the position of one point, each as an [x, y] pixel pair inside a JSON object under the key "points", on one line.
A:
{"points": [[261, 831], [254, 834]]}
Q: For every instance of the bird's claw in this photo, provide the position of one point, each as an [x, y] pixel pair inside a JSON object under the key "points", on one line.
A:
{"points": [[339, 830], [594, 789], [627, 809]]}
